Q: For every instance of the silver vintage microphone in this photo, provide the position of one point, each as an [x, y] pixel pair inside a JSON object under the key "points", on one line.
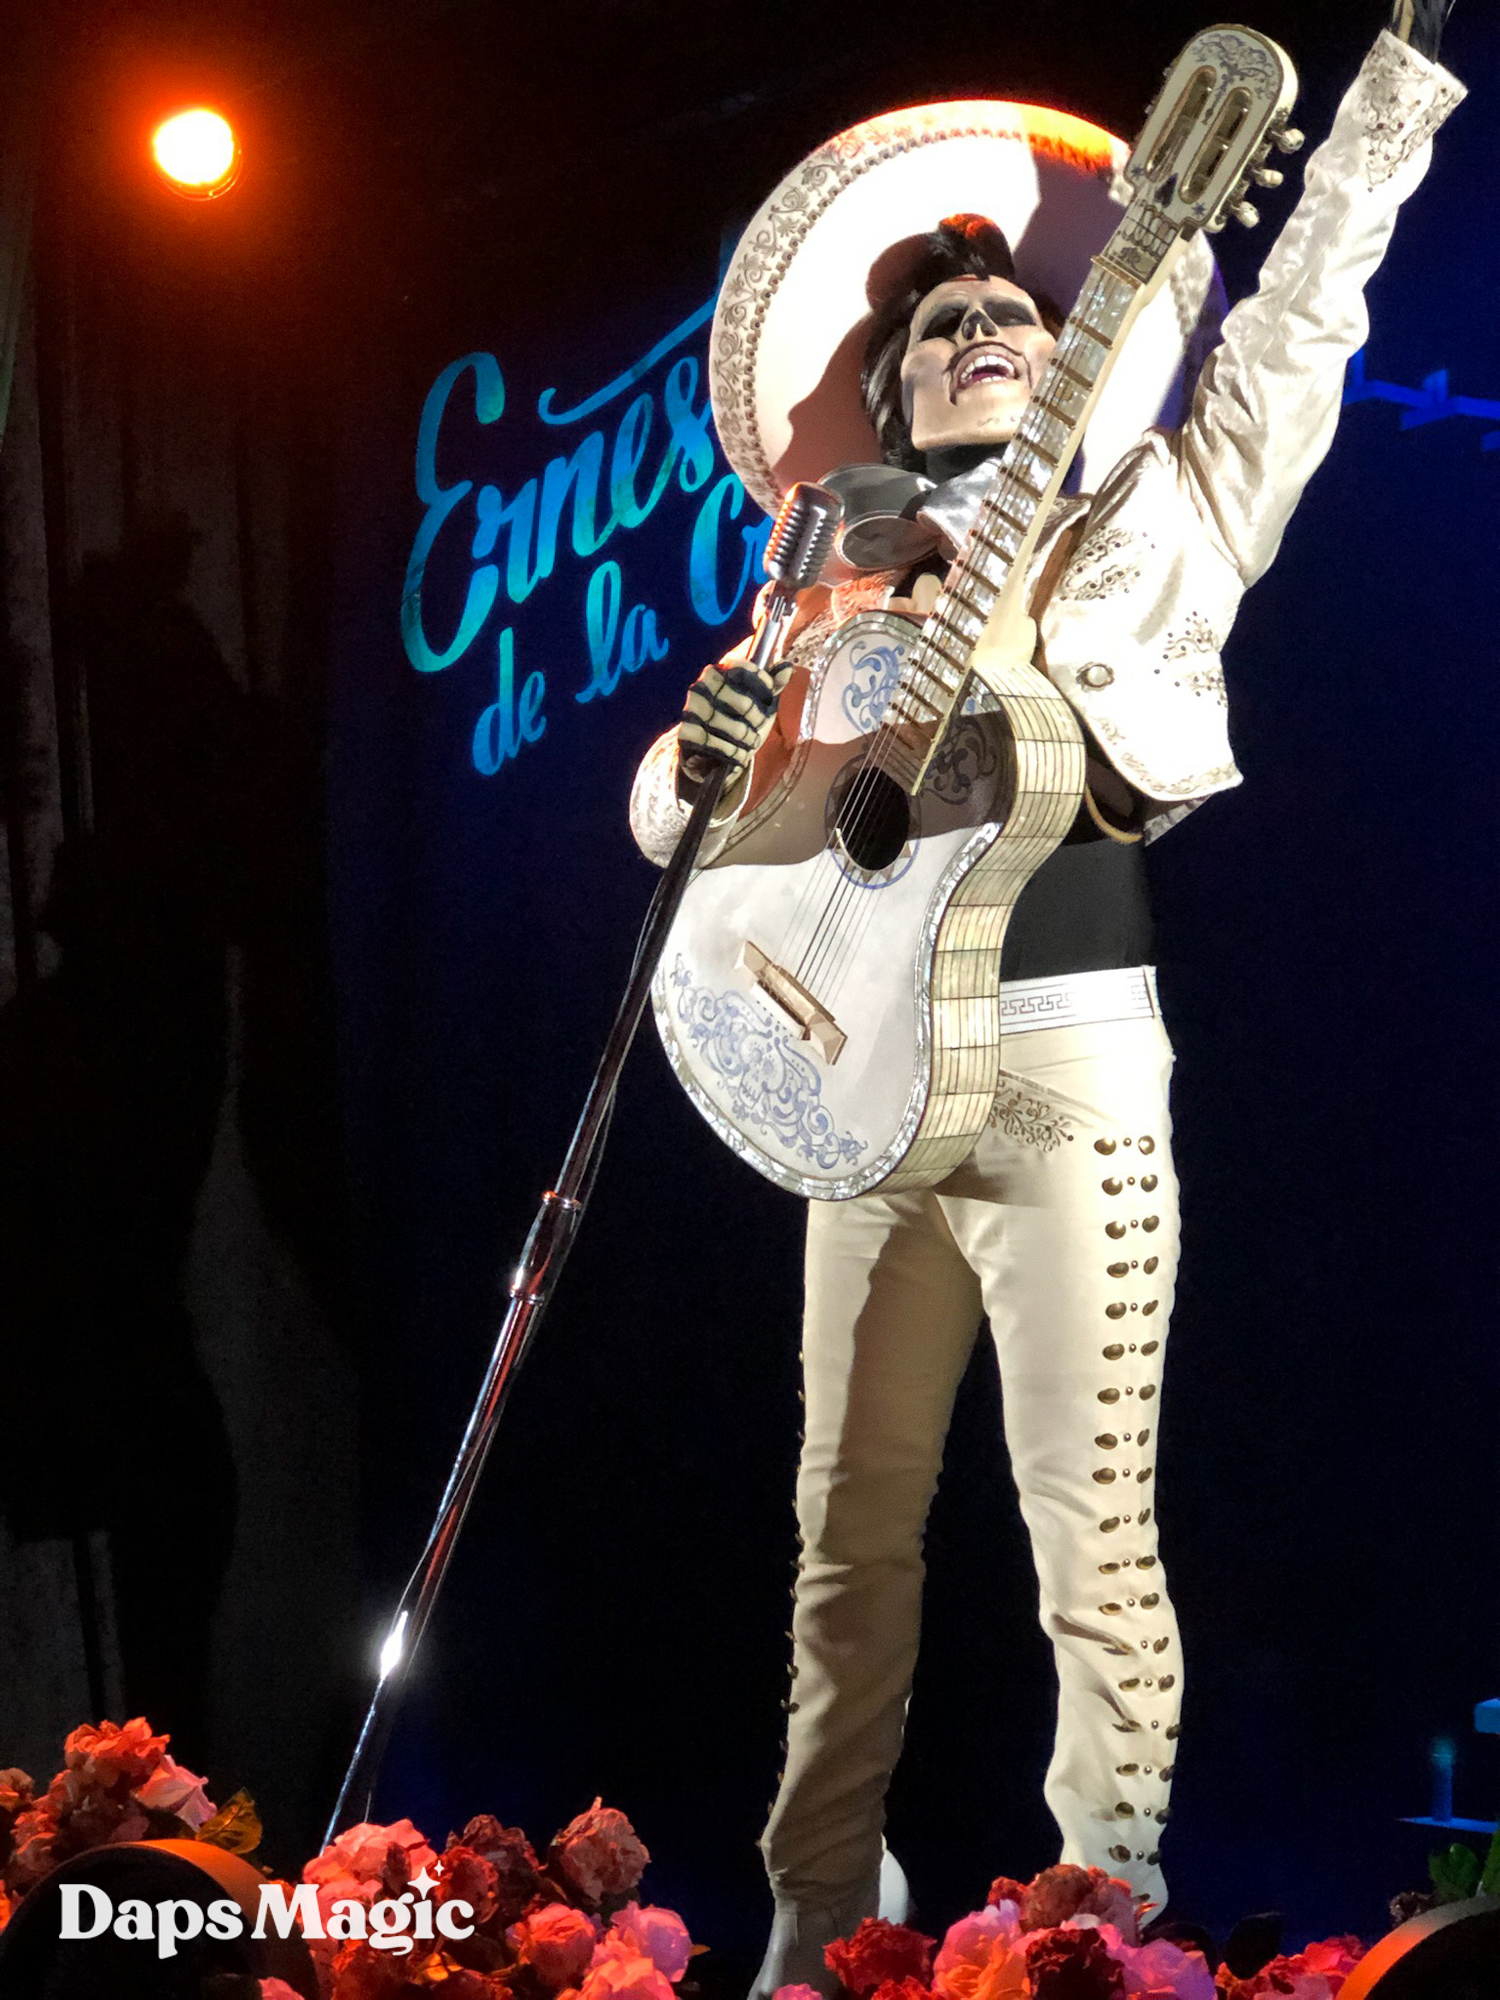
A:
{"points": [[796, 555]]}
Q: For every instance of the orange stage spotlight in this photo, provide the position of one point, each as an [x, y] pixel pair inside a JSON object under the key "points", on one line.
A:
{"points": [[197, 153]]}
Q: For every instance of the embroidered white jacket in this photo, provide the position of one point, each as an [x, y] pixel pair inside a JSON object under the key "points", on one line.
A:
{"points": [[1190, 518]]}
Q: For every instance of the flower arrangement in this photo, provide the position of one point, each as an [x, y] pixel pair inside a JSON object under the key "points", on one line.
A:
{"points": [[568, 1924], [565, 1925], [116, 1783], [1068, 1934]]}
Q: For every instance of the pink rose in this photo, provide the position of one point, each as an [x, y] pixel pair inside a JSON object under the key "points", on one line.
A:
{"points": [[1160, 1970], [796, 1993], [172, 1788], [981, 1952], [620, 1976], [659, 1935], [1284, 1978], [367, 1862], [556, 1942], [277, 1989], [971, 1940], [386, 1857], [598, 1854]]}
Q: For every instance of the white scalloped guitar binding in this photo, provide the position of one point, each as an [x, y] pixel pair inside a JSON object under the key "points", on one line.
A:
{"points": [[829, 994]]}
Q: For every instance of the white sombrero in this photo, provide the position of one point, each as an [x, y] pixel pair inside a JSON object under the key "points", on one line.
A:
{"points": [[794, 311]]}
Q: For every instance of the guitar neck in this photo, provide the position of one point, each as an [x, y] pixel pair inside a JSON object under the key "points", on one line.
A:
{"points": [[987, 577]]}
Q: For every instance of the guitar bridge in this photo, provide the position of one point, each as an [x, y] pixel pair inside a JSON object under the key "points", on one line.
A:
{"points": [[810, 1017]]}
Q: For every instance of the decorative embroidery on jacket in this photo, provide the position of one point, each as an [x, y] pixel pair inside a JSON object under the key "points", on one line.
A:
{"points": [[1020, 1114], [656, 817], [1206, 680], [1205, 782], [1404, 104], [1091, 574], [1196, 636]]}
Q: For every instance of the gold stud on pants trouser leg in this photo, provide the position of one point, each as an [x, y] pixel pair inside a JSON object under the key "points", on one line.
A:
{"points": [[1062, 1228]]}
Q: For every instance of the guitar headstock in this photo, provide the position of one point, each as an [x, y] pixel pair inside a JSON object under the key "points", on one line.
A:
{"points": [[1224, 104]]}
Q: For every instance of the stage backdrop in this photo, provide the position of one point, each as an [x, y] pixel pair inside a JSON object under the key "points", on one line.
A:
{"points": [[541, 545]]}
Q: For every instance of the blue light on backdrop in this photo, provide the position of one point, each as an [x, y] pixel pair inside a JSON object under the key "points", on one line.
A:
{"points": [[721, 556], [601, 490]]}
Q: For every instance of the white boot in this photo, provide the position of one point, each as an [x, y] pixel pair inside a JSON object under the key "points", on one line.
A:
{"points": [[895, 1895], [794, 1956]]}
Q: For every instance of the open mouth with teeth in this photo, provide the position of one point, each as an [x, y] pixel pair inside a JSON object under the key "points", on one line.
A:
{"points": [[983, 366]]}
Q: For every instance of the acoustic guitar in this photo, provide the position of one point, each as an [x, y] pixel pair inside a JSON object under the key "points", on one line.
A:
{"points": [[829, 995]]}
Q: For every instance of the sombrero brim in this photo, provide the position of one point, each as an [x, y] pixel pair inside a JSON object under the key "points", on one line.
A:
{"points": [[794, 310]]}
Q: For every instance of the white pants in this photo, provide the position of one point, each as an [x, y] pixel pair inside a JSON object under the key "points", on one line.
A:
{"points": [[1062, 1228]]}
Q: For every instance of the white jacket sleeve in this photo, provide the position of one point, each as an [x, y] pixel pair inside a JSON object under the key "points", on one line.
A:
{"points": [[1268, 401]]}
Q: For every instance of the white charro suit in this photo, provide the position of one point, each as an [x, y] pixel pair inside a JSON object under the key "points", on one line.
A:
{"points": [[1062, 1226]]}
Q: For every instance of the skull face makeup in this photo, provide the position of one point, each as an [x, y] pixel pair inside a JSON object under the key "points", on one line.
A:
{"points": [[975, 354]]}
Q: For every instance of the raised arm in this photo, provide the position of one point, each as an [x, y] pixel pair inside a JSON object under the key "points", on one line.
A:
{"points": [[1268, 400]]}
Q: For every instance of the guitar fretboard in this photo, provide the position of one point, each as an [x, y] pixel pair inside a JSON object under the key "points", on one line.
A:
{"points": [[1014, 510]]}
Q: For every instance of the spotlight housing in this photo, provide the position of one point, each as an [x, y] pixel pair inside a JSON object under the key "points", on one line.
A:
{"points": [[196, 153]]}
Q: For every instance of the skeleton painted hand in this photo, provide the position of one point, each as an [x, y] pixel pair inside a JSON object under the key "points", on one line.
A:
{"points": [[728, 714]]}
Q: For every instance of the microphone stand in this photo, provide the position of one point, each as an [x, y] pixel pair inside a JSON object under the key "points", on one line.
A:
{"points": [[535, 1278]]}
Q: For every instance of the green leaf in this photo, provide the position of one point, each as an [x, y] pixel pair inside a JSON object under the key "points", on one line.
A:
{"points": [[1455, 1872], [1489, 1881], [235, 1826]]}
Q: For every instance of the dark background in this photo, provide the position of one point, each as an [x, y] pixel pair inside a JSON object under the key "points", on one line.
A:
{"points": [[299, 1006]]}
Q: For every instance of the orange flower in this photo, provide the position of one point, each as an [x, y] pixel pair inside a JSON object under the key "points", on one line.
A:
{"points": [[111, 1757]]}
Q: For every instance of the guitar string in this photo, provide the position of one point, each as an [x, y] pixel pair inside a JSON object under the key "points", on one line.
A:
{"points": [[813, 962]]}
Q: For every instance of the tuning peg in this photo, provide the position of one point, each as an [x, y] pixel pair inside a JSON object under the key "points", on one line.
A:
{"points": [[1246, 212], [1267, 177], [1213, 228], [1288, 139]]}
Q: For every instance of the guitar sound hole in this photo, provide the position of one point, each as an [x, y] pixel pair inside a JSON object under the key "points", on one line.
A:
{"points": [[874, 821]]}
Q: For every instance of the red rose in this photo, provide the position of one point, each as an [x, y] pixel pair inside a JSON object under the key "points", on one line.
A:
{"points": [[1006, 1889], [509, 1853], [464, 1876], [902, 1989], [598, 1855], [32, 1838], [879, 1953], [1334, 1957], [1054, 1896], [1073, 1965], [1317, 1973], [16, 1792], [362, 1973]]}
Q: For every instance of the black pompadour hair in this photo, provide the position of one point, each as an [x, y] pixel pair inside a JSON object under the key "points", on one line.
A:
{"points": [[962, 246]]}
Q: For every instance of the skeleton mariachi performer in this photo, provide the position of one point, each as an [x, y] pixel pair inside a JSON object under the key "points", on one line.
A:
{"points": [[1061, 1227]]}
